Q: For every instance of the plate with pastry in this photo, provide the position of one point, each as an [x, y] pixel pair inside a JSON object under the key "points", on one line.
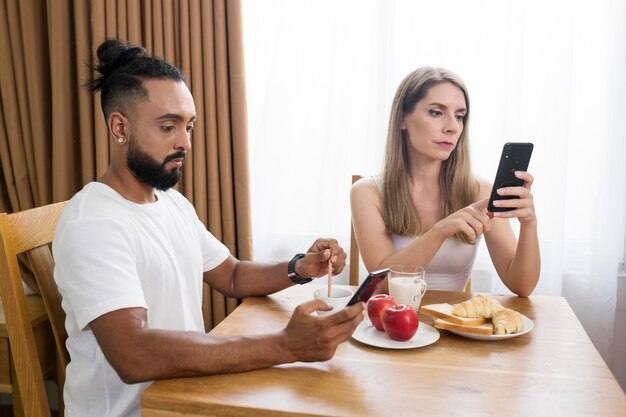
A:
{"points": [[484, 331], [366, 333], [480, 317]]}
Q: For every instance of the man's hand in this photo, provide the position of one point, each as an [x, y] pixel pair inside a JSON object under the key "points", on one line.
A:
{"points": [[315, 263], [315, 338]]}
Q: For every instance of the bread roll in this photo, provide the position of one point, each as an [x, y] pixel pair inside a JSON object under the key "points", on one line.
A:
{"points": [[506, 321], [479, 306]]}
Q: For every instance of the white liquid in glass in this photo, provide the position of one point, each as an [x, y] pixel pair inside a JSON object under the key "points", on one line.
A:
{"points": [[407, 290]]}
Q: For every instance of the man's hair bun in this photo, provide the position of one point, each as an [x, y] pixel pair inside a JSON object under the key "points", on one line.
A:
{"points": [[121, 71], [114, 54]]}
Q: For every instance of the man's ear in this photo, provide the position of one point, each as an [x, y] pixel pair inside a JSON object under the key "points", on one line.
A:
{"points": [[118, 125]]}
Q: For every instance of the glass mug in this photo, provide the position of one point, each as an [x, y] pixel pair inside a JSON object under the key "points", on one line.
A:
{"points": [[407, 284]]}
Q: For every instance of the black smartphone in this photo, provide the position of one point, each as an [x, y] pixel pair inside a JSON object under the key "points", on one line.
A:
{"points": [[368, 287], [515, 157]]}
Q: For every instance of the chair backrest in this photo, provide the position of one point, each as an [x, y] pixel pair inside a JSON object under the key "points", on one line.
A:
{"points": [[354, 248], [31, 232]]}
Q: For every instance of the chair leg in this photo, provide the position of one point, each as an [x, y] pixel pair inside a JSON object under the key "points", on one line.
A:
{"points": [[60, 380], [18, 408]]}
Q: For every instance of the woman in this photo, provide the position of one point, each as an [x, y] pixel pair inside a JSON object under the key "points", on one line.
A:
{"points": [[426, 208]]}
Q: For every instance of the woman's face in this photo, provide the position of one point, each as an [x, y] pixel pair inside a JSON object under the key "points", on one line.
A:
{"points": [[436, 123]]}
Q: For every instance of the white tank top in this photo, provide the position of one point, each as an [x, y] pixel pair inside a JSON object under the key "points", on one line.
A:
{"points": [[451, 266]]}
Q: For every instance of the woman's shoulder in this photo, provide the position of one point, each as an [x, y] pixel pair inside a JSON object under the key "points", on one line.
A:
{"points": [[366, 185], [365, 189]]}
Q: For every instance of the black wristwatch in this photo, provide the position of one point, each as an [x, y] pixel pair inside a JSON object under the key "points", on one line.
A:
{"points": [[291, 271]]}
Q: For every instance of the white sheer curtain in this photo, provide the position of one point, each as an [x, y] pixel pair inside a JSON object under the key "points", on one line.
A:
{"points": [[321, 76]]}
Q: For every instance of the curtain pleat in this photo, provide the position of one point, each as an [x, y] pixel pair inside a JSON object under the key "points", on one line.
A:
{"points": [[168, 31], [110, 18], [38, 96], [239, 175], [53, 138], [66, 154], [224, 113], [100, 30], [16, 164], [134, 21], [122, 25], [184, 65], [86, 139], [157, 28], [147, 25], [7, 194]]}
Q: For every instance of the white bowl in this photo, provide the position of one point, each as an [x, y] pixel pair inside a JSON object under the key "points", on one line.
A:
{"points": [[338, 299]]}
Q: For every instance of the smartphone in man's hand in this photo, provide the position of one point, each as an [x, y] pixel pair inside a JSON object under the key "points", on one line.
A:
{"points": [[515, 157], [368, 287]]}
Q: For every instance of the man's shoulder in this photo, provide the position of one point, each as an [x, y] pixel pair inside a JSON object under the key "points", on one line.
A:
{"points": [[176, 199], [95, 199], [95, 207], [173, 195]]}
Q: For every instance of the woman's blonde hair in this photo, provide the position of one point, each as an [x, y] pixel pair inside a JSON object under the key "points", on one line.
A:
{"points": [[456, 180]]}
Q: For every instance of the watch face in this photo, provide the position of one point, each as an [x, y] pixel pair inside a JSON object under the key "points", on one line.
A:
{"points": [[291, 271]]}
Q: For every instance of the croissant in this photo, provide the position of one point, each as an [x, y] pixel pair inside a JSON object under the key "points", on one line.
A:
{"points": [[507, 321], [479, 306]]}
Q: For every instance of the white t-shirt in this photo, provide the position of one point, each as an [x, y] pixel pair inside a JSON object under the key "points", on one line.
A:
{"points": [[110, 254]]}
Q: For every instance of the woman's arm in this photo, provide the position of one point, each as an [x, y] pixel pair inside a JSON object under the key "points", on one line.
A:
{"points": [[516, 261], [375, 244]]}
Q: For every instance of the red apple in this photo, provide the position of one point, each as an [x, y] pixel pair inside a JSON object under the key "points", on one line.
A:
{"points": [[400, 322], [376, 307]]}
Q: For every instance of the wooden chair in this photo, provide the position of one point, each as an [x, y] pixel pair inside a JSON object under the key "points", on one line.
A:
{"points": [[354, 253], [354, 249], [31, 232]]}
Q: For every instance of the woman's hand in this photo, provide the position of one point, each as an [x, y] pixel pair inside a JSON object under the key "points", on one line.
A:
{"points": [[471, 220], [524, 205]]}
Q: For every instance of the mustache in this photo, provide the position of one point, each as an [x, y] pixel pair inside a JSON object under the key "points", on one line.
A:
{"points": [[175, 155]]}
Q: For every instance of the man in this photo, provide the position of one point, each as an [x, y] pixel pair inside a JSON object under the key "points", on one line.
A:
{"points": [[131, 256]]}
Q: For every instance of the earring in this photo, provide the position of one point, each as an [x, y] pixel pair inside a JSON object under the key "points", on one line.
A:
{"points": [[120, 140]]}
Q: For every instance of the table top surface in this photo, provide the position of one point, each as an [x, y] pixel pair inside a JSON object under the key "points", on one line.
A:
{"points": [[552, 370]]}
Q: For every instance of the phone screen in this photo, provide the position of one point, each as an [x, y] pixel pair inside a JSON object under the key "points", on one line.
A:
{"points": [[368, 287], [515, 157]]}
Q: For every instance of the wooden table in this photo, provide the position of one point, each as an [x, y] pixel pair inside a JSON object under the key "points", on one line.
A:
{"points": [[552, 371]]}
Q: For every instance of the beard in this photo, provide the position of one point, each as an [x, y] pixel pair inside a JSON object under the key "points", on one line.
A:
{"points": [[150, 171]]}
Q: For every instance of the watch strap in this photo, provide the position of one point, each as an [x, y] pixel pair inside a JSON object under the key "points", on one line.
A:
{"points": [[291, 270]]}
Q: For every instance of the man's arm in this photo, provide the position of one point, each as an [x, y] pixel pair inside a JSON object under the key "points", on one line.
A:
{"points": [[238, 279], [139, 353]]}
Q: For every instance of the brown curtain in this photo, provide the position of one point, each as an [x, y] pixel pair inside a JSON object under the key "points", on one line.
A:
{"points": [[53, 139]]}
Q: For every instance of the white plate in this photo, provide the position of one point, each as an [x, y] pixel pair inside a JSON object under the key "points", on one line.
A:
{"points": [[528, 326], [367, 333]]}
